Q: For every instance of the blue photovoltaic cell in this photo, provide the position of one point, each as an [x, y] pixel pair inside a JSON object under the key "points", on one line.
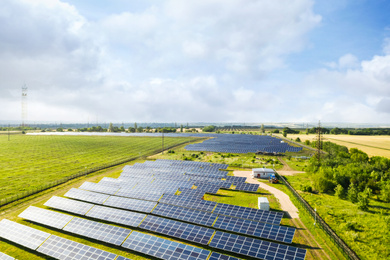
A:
{"points": [[21, 234], [61, 248], [46, 217], [249, 213], [119, 216], [178, 229], [130, 204], [255, 247], [136, 194], [163, 248], [188, 215], [89, 196], [99, 231], [235, 179], [69, 205], [188, 202], [243, 186], [122, 258], [5, 257], [257, 229], [218, 256]]}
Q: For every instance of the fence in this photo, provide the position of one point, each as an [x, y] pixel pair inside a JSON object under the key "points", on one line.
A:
{"points": [[52, 184], [348, 252]]}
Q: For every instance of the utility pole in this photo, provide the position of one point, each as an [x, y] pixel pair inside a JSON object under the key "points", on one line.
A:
{"points": [[319, 142], [162, 132]]}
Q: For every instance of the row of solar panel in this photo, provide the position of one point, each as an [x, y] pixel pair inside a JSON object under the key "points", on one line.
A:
{"points": [[50, 245], [103, 232], [188, 215]]}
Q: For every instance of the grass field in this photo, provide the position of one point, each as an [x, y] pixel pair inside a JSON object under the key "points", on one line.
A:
{"points": [[27, 162], [372, 145]]}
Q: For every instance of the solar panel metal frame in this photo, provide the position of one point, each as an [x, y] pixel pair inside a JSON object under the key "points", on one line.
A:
{"points": [[163, 248], [184, 214], [46, 217], [177, 229], [218, 256], [255, 247], [118, 216], [22, 235], [99, 231], [257, 229], [61, 248]]}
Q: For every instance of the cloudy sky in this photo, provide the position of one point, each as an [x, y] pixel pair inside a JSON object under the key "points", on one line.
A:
{"points": [[196, 60]]}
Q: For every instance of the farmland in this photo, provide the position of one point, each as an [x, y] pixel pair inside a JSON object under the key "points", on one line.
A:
{"points": [[28, 162], [372, 145]]}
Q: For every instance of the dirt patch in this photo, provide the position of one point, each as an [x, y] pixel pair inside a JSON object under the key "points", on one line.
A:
{"points": [[284, 200], [288, 173]]}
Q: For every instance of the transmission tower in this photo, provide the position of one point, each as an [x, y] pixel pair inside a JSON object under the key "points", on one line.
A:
{"points": [[319, 142], [24, 105]]}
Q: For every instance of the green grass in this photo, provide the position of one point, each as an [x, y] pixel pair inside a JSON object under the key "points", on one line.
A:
{"points": [[367, 233], [28, 162]]}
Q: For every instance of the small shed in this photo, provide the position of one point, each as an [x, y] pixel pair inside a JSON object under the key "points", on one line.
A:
{"points": [[263, 203], [262, 173]]}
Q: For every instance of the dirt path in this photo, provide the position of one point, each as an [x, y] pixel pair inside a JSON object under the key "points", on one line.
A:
{"points": [[283, 198]]}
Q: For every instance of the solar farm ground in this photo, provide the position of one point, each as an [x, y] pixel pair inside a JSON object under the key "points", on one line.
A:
{"points": [[28, 162]]}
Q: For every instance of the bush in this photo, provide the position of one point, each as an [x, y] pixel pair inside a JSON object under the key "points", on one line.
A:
{"points": [[298, 140], [306, 188], [352, 193], [363, 201], [339, 191]]}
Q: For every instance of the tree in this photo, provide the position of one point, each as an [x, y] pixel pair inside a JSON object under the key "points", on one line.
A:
{"points": [[284, 134], [209, 128], [181, 128], [339, 191], [352, 193], [363, 201], [111, 128], [262, 128], [60, 130], [298, 139], [135, 125], [385, 192]]}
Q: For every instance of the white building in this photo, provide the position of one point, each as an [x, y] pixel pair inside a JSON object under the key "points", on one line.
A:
{"points": [[263, 203], [262, 173]]}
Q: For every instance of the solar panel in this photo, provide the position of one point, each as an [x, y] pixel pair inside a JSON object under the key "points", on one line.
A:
{"points": [[119, 216], [177, 229], [5, 257], [98, 187], [218, 256], [21, 234], [99, 231], [94, 197], [130, 204], [46, 217], [255, 247], [249, 213], [139, 195], [188, 215], [243, 186], [122, 258], [198, 194], [61, 248], [235, 179], [163, 248], [188, 202], [257, 229], [69, 205]]}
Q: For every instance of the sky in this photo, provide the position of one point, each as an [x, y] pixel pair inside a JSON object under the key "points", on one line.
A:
{"points": [[251, 61]]}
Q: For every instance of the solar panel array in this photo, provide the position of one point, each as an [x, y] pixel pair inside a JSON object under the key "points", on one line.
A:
{"points": [[255, 247], [163, 248], [118, 216], [130, 204], [243, 186], [231, 143], [61, 248], [21, 234], [188, 202], [218, 256], [178, 229], [249, 213], [99, 231], [89, 196], [5, 257], [69, 205], [188, 215], [257, 229], [46, 217]]}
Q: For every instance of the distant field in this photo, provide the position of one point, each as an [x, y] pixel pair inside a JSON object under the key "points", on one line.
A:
{"points": [[372, 145], [26, 162]]}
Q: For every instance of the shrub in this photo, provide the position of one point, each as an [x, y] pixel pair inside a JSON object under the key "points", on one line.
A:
{"points": [[363, 201], [339, 191], [352, 193]]}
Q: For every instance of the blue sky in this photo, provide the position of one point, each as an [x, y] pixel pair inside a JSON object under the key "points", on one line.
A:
{"points": [[196, 60]]}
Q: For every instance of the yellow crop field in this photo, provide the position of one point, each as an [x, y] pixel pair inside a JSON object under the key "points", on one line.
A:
{"points": [[372, 145]]}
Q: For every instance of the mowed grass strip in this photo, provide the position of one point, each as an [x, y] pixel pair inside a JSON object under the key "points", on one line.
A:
{"points": [[27, 162]]}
